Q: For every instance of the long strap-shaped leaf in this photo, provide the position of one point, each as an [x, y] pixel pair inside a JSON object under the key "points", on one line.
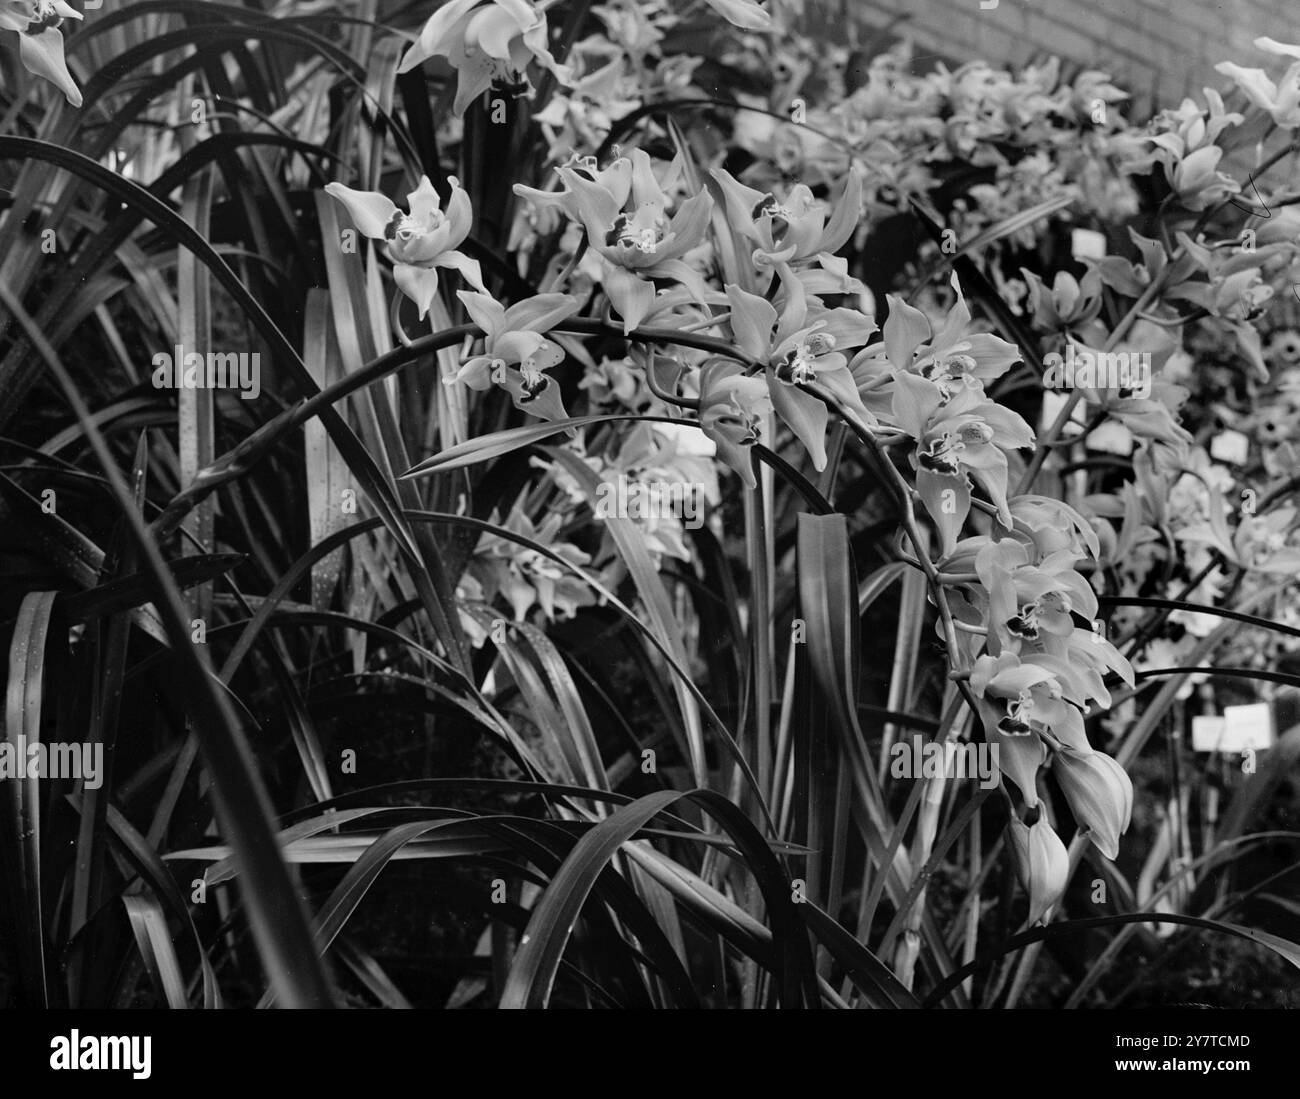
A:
{"points": [[359, 459], [276, 915], [632, 548], [532, 975], [21, 836], [1283, 947]]}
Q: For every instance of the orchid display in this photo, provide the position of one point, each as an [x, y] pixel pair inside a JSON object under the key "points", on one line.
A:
{"points": [[723, 412]]}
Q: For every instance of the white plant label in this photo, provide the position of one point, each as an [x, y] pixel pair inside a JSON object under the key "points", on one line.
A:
{"points": [[1230, 446], [1240, 728]]}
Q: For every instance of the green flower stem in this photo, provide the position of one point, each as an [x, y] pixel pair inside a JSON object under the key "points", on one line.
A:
{"points": [[903, 491]]}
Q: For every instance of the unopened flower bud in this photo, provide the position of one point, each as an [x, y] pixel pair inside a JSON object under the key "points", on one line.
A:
{"points": [[1100, 795], [1041, 863]]}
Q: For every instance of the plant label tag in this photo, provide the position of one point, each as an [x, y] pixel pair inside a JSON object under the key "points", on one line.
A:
{"points": [[1112, 437], [1249, 726], [1087, 244], [1207, 732], [1230, 446], [1240, 728]]}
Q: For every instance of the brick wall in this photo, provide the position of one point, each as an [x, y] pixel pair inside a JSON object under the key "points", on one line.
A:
{"points": [[1161, 50]]}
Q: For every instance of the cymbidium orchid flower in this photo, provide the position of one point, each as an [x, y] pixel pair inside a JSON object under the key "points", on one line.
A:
{"points": [[794, 231], [967, 435], [734, 411], [1261, 543], [1089, 88], [948, 356], [1031, 603], [1054, 707], [515, 351], [419, 242], [582, 118], [546, 209], [671, 478], [1029, 599], [616, 383], [1016, 703], [1189, 123], [1280, 100], [1029, 691], [1151, 417], [635, 27], [798, 350], [1082, 659], [1194, 175], [1127, 386], [624, 211], [1235, 290], [1052, 525], [524, 577], [40, 42], [1069, 302], [487, 42]]}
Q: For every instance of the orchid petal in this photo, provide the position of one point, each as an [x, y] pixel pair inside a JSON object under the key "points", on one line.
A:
{"points": [[752, 319], [370, 211], [423, 201], [915, 402], [742, 13], [633, 297], [420, 284], [595, 205], [485, 311], [805, 414], [1019, 757], [906, 328], [473, 78], [491, 29], [541, 312], [42, 55], [848, 212], [436, 31], [741, 202], [947, 499], [468, 268]]}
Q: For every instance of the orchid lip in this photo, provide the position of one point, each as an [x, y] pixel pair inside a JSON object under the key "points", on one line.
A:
{"points": [[533, 385], [646, 239], [511, 82], [796, 368], [738, 422], [941, 457], [939, 463], [1024, 626], [44, 17], [51, 20], [395, 225]]}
